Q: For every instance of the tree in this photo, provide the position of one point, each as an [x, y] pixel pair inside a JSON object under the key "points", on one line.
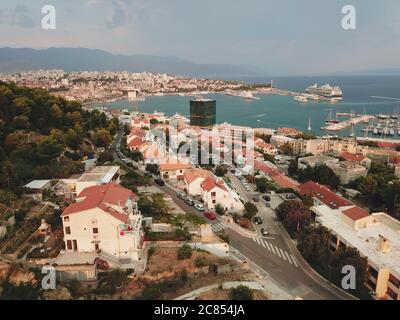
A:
{"points": [[104, 157], [137, 156], [293, 215], [102, 138], [241, 293], [262, 184], [313, 243], [153, 168], [287, 149], [219, 209], [220, 171], [250, 210], [321, 174], [72, 139], [184, 252]]}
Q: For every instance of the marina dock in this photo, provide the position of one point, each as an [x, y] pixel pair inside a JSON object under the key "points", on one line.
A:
{"points": [[348, 123]]}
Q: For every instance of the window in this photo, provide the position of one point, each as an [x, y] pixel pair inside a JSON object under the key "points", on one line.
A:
{"points": [[373, 272], [67, 230], [66, 219], [392, 294], [69, 245], [394, 281], [213, 194], [95, 230]]}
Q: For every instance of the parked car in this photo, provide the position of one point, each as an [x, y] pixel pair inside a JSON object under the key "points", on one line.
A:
{"points": [[182, 195], [267, 198], [148, 174], [268, 205], [264, 232], [247, 189], [257, 220], [210, 215], [160, 182], [255, 199], [189, 201], [290, 196], [199, 207]]}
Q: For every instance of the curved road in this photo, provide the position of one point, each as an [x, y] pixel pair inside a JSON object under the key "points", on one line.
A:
{"points": [[275, 254]]}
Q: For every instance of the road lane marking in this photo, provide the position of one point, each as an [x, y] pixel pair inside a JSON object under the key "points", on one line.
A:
{"points": [[273, 249], [294, 260], [262, 243]]}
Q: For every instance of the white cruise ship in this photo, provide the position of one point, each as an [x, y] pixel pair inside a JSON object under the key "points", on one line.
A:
{"points": [[326, 91]]}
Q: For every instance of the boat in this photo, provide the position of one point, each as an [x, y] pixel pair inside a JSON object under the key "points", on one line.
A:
{"points": [[382, 116], [300, 98], [375, 132], [248, 95], [391, 132], [327, 91], [311, 96], [330, 119]]}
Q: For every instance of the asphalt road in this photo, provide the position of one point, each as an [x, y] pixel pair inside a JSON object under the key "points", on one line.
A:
{"points": [[275, 254]]}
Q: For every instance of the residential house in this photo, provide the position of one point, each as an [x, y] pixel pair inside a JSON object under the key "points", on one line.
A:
{"points": [[193, 180], [104, 219], [174, 170], [214, 191]]}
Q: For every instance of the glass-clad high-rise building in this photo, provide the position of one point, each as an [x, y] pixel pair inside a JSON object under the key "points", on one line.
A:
{"points": [[203, 112]]}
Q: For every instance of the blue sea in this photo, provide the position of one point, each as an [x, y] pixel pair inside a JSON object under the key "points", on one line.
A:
{"points": [[273, 111]]}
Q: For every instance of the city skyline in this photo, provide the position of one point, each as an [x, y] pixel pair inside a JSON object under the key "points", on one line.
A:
{"points": [[271, 35]]}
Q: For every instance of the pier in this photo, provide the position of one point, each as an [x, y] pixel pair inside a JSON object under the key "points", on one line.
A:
{"points": [[348, 123]]}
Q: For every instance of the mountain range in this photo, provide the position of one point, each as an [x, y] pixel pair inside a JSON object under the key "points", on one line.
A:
{"points": [[83, 59]]}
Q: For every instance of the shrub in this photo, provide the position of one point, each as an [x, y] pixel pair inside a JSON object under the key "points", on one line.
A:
{"points": [[184, 252], [219, 210], [241, 293], [201, 262]]}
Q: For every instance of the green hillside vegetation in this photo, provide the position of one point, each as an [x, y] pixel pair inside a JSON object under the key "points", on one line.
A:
{"points": [[46, 137]]}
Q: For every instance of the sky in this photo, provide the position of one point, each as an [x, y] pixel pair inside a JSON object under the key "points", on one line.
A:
{"points": [[279, 36]]}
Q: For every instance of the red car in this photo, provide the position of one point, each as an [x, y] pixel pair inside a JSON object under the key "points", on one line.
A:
{"points": [[210, 215]]}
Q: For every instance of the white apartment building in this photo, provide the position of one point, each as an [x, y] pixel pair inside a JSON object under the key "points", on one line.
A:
{"points": [[104, 219], [314, 161], [376, 237], [348, 171]]}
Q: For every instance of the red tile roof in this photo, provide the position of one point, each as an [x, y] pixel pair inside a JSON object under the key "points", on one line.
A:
{"points": [[102, 197], [356, 213], [210, 183], [279, 178], [323, 194], [136, 142], [352, 157], [192, 175]]}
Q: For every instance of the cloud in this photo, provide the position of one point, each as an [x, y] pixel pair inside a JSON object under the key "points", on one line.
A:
{"points": [[19, 16], [121, 14]]}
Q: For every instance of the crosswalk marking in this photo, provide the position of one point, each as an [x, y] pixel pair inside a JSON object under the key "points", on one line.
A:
{"points": [[266, 243], [283, 254], [294, 260], [273, 250], [277, 252], [288, 257], [218, 227]]}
